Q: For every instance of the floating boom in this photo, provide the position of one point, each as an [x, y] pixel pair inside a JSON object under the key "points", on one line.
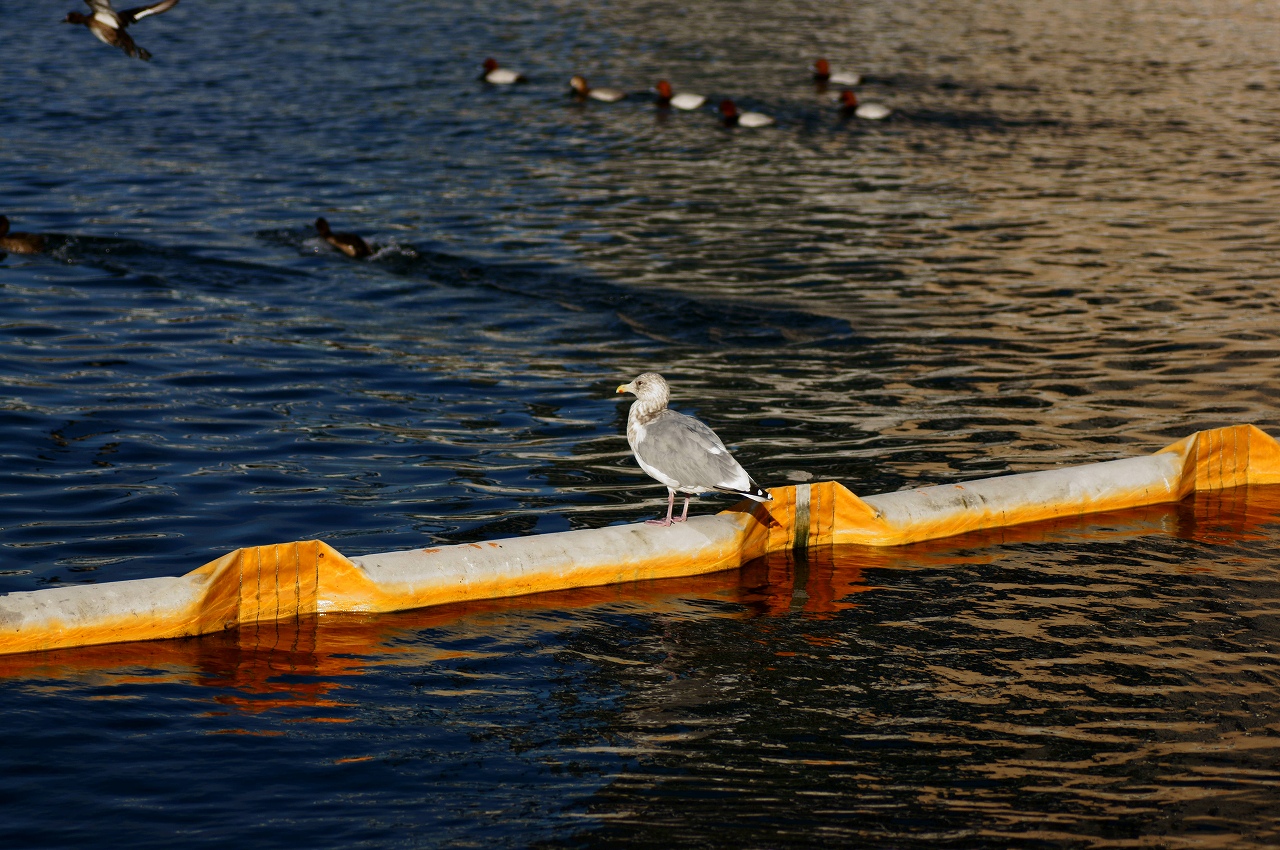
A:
{"points": [[260, 584]]}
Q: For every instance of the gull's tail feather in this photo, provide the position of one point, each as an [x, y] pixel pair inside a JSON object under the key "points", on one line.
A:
{"points": [[756, 492]]}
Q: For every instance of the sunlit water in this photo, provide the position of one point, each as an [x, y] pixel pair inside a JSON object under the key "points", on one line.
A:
{"points": [[1059, 249]]}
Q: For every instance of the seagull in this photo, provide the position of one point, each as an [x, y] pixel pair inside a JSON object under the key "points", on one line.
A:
{"points": [[19, 243], [680, 451], [578, 85], [108, 25], [348, 243]]}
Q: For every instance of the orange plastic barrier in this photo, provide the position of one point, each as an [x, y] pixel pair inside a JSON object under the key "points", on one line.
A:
{"points": [[261, 584]]}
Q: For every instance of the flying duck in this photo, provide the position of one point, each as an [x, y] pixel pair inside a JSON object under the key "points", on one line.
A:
{"points": [[680, 451], [348, 243], [108, 25]]}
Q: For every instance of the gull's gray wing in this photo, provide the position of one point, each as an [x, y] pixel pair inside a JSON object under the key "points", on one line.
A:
{"points": [[689, 452]]}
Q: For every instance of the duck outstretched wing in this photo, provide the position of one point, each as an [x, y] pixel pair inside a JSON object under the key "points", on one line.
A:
{"points": [[128, 16]]}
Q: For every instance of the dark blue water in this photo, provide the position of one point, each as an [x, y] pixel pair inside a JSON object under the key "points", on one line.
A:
{"points": [[1058, 250]]}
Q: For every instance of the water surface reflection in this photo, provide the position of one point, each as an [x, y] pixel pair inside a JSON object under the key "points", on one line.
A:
{"points": [[1094, 668], [1058, 250]]}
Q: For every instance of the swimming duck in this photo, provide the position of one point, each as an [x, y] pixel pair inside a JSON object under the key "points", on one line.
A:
{"points": [[822, 73], [19, 243], [348, 243], [108, 25], [578, 84], [499, 76], [684, 100], [849, 105], [733, 118]]}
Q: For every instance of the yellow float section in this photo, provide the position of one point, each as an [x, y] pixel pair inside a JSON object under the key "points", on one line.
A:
{"points": [[261, 584]]}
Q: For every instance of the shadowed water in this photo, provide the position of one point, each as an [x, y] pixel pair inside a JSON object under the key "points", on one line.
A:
{"points": [[1057, 250]]}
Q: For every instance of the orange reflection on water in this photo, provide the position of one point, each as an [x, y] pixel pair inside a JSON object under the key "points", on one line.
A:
{"points": [[303, 664]]}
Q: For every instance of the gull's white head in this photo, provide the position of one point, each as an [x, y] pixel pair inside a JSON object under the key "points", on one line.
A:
{"points": [[650, 388]]}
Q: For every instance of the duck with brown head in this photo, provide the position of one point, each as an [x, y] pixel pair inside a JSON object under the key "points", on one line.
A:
{"points": [[580, 89], [731, 117], [19, 243], [851, 107], [348, 243], [665, 96], [495, 74], [822, 75]]}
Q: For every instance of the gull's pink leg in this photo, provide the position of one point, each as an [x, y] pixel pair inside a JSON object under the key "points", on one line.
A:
{"points": [[671, 506], [684, 514]]}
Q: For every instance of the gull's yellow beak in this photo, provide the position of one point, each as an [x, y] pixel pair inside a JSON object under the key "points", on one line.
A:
{"points": [[623, 388]]}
